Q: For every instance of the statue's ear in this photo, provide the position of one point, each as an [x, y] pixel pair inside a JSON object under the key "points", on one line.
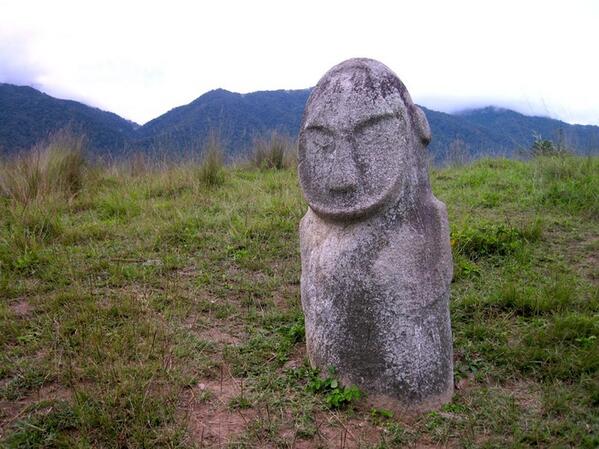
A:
{"points": [[423, 129]]}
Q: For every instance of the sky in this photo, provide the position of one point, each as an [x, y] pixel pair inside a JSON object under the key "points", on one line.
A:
{"points": [[140, 59]]}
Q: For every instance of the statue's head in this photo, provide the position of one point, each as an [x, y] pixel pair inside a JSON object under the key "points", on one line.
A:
{"points": [[361, 139]]}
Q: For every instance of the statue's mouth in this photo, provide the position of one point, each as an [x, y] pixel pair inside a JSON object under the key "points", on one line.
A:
{"points": [[343, 188]]}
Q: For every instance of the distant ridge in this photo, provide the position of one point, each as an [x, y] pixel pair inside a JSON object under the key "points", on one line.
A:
{"points": [[240, 117], [27, 116], [513, 127], [237, 118]]}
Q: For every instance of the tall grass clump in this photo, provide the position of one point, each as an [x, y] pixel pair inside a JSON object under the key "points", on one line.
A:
{"points": [[211, 171], [138, 164], [277, 152], [52, 168], [457, 154]]}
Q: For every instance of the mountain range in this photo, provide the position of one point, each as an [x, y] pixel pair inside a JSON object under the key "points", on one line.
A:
{"points": [[28, 116]]}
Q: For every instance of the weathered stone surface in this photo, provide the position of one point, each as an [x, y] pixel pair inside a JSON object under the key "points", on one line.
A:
{"points": [[376, 258]]}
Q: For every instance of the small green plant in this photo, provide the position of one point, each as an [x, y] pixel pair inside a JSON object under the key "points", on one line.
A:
{"points": [[586, 342], [544, 147], [296, 332], [398, 436], [379, 416], [336, 395], [239, 402], [454, 407], [464, 267]]}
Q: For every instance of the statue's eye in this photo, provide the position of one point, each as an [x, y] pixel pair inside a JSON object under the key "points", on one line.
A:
{"points": [[375, 122], [320, 140], [324, 142]]}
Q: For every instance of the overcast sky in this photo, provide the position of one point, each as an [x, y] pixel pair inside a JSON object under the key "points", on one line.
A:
{"points": [[142, 58]]}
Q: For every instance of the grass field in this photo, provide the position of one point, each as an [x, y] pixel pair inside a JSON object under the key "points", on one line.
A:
{"points": [[161, 309]]}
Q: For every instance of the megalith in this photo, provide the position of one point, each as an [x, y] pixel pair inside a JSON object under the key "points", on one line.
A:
{"points": [[375, 250]]}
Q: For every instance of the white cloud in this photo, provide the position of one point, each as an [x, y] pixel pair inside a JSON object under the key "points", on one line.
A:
{"points": [[140, 59]]}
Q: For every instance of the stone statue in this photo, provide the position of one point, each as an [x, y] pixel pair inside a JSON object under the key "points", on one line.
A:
{"points": [[376, 257]]}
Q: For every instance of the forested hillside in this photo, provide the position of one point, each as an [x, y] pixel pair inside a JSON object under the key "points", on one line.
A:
{"points": [[28, 116]]}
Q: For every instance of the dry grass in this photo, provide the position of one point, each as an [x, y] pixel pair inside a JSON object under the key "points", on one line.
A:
{"points": [[53, 168], [211, 170], [277, 152]]}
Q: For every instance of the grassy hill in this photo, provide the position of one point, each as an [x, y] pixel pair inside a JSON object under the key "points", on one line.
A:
{"points": [[153, 308]]}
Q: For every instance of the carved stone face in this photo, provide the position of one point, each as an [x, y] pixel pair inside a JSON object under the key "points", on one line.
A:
{"points": [[355, 136]]}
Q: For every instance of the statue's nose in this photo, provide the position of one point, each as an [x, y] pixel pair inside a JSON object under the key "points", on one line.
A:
{"points": [[344, 176]]}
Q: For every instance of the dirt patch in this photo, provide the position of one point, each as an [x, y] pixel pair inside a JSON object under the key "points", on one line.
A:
{"points": [[429, 446], [52, 392], [286, 297], [465, 384], [582, 253], [297, 358], [211, 420], [527, 395], [187, 271], [219, 332], [12, 411], [579, 250], [20, 307], [219, 335], [337, 431], [589, 266]]}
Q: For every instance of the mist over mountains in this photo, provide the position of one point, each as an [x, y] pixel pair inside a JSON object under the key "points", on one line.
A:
{"points": [[28, 116]]}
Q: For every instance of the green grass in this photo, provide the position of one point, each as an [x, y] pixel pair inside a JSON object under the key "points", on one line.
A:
{"points": [[154, 308]]}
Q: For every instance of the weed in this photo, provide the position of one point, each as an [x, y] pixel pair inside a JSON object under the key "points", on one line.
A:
{"points": [[396, 435], [336, 395], [240, 402], [463, 267], [379, 416]]}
